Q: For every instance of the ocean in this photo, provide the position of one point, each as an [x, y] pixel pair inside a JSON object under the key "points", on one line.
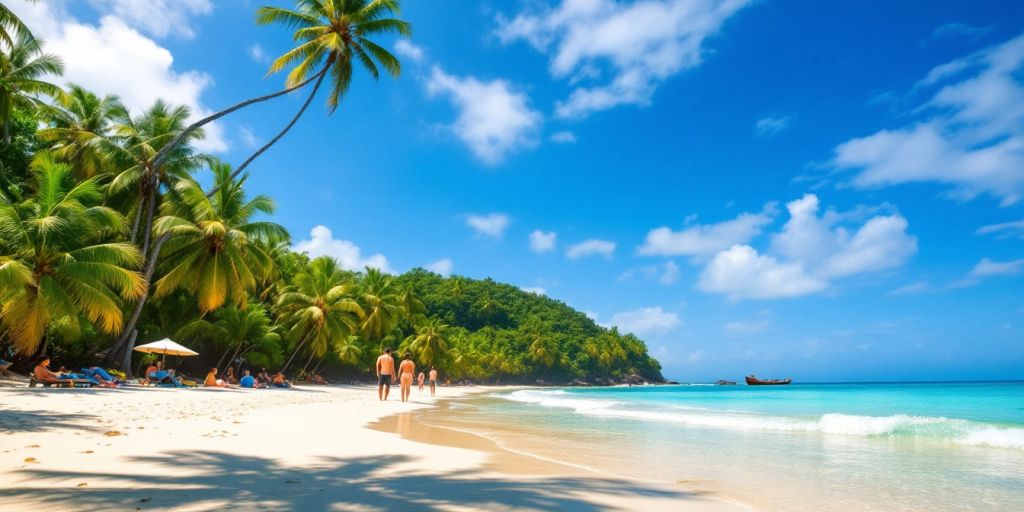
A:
{"points": [[803, 447]]}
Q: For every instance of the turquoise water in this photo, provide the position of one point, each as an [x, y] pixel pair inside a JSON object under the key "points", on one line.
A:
{"points": [[943, 446]]}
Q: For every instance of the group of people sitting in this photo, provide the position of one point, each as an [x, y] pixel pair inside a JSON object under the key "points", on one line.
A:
{"points": [[261, 380], [92, 376]]}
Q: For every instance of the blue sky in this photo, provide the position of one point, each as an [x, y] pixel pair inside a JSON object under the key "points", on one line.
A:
{"points": [[823, 190]]}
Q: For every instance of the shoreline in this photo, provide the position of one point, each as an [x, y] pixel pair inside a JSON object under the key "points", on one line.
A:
{"points": [[306, 448]]}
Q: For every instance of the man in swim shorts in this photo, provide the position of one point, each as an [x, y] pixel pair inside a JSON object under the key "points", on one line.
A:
{"points": [[385, 370]]}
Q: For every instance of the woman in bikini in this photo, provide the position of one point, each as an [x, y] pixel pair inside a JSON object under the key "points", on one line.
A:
{"points": [[405, 371]]}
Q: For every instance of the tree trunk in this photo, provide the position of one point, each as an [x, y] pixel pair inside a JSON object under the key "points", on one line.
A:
{"points": [[308, 361], [177, 140], [122, 343], [233, 356], [148, 227], [297, 349], [276, 138], [138, 216], [320, 362], [126, 362]]}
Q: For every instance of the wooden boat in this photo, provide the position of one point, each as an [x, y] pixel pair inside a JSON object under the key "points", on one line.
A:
{"points": [[752, 380], [725, 383]]}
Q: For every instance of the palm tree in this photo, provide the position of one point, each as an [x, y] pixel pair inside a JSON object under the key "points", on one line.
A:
{"points": [[56, 265], [11, 27], [542, 350], [237, 330], [80, 130], [318, 309], [379, 298], [330, 33], [430, 342], [139, 139], [22, 73], [348, 350], [413, 308], [213, 249]]}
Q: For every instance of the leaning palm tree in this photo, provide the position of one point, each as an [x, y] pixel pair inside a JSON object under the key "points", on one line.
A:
{"points": [[56, 263], [319, 310], [23, 71], [330, 35], [430, 341], [236, 330], [81, 125]]}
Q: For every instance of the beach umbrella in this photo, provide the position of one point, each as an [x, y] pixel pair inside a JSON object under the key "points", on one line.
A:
{"points": [[166, 346]]}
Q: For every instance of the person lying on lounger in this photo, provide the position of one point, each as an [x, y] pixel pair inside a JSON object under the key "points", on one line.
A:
{"points": [[43, 374]]}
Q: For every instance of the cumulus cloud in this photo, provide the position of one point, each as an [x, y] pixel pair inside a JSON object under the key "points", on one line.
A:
{"points": [[348, 255], [541, 241], [645, 321], [442, 266], [1003, 229], [771, 126], [492, 225], [591, 247], [494, 119], [989, 268], [809, 253], [970, 135], [563, 137], [113, 57], [617, 53], [707, 239], [158, 18], [405, 48]]}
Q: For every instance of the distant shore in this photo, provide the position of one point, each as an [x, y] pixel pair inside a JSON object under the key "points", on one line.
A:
{"points": [[309, 448]]}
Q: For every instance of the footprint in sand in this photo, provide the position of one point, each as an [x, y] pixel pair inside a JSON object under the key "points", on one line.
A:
{"points": [[32, 446], [31, 460], [112, 433], [87, 451]]}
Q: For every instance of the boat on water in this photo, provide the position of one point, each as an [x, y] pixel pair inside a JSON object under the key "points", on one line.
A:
{"points": [[752, 380], [725, 383]]}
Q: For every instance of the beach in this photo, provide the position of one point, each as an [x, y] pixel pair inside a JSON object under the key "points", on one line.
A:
{"points": [[306, 448]]}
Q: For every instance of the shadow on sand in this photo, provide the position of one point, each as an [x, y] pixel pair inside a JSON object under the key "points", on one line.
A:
{"points": [[217, 481], [41, 421]]}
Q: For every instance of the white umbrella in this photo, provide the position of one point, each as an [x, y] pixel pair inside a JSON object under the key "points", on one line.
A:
{"points": [[166, 346]]}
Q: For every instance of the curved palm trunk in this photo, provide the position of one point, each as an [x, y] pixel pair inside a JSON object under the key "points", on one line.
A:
{"points": [[126, 341], [238, 348], [317, 367], [176, 141], [297, 349], [276, 138]]}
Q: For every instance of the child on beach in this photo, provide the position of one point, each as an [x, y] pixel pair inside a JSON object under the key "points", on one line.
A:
{"points": [[419, 380]]}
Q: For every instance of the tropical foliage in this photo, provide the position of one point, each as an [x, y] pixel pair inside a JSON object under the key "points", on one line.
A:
{"points": [[108, 236]]}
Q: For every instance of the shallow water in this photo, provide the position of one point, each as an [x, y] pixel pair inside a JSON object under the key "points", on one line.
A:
{"points": [[949, 446]]}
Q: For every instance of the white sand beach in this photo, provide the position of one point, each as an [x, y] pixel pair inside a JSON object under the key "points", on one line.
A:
{"points": [[308, 448]]}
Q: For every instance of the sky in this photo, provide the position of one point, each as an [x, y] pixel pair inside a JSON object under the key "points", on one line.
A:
{"points": [[831, 191]]}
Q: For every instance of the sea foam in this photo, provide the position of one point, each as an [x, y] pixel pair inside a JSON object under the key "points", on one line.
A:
{"points": [[939, 428]]}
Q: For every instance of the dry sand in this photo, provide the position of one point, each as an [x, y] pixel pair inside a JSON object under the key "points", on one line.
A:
{"points": [[307, 448]]}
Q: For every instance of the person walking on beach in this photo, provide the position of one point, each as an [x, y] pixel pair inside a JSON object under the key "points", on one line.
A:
{"points": [[433, 380], [419, 380], [385, 369], [405, 372]]}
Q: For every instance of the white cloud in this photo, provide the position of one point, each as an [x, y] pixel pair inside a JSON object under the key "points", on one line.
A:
{"points": [[541, 241], [881, 243], [442, 266], [536, 290], [962, 29], [622, 51], [707, 239], [348, 255], [491, 225], [257, 53], [644, 321], [591, 247], [665, 274], [988, 268], [405, 48], [741, 273], [771, 126], [249, 139], [563, 137], [493, 119], [1003, 229], [809, 252], [914, 288], [158, 18], [971, 136], [114, 58]]}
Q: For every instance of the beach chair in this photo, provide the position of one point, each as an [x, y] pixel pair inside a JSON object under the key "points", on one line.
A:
{"points": [[61, 383]]}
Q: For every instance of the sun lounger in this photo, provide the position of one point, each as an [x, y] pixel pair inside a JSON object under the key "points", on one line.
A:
{"points": [[61, 383]]}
